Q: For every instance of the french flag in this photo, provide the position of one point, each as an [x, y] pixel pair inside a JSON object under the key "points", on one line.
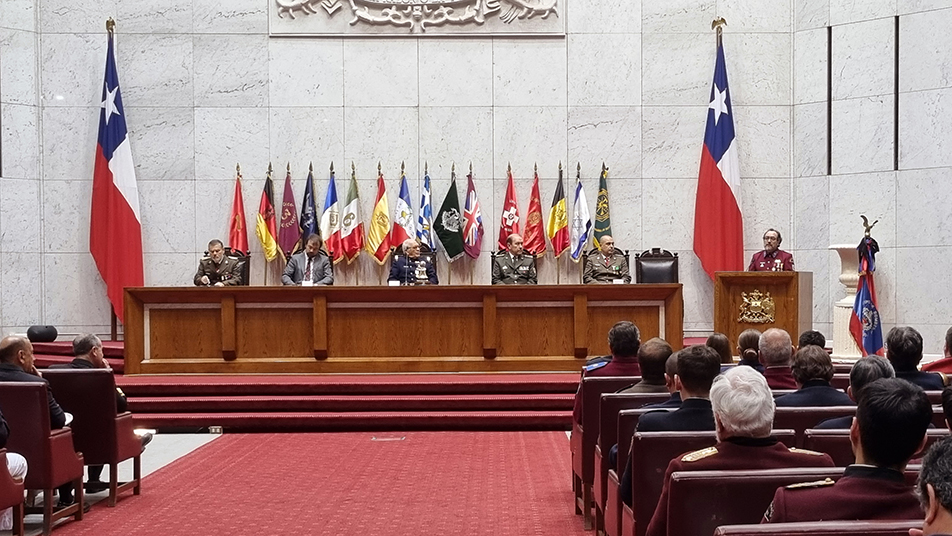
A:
{"points": [[718, 224], [115, 229]]}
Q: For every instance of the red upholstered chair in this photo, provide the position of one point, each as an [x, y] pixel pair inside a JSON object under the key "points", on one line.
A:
{"points": [[103, 436], [49, 453], [840, 381], [822, 528], [836, 443], [11, 494]]}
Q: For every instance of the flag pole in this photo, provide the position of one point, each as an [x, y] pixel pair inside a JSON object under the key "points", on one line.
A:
{"points": [[718, 24]]}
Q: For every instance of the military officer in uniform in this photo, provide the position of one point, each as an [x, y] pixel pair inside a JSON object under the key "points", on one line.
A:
{"points": [[514, 267], [411, 268], [607, 265], [934, 491], [217, 270], [889, 428], [743, 416], [772, 258]]}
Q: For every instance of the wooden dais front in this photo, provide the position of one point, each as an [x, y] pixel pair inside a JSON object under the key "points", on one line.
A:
{"points": [[386, 329]]}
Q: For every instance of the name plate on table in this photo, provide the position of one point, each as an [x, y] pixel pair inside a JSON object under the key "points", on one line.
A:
{"points": [[618, 281], [307, 283]]}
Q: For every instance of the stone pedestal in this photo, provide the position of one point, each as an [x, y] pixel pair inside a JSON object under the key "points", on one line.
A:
{"points": [[844, 347]]}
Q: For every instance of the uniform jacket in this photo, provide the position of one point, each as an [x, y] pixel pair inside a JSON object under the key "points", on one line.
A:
{"points": [[227, 272], [514, 271], [732, 454], [862, 493], [929, 381], [762, 262], [780, 378], [12, 373], [601, 269], [321, 271], [756, 365], [404, 271], [615, 367], [815, 393], [943, 365], [673, 402]]}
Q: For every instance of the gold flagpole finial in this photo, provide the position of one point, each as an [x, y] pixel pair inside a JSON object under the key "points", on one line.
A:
{"points": [[269, 170], [310, 167], [238, 168], [426, 167], [604, 168], [353, 170], [535, 167], [718, 25], [578, 171], [403, 167], [289, 167], [332, 167], [453, 168], [379, 172], [110, 25], [470, 167], [509, 167], [560, 170]]}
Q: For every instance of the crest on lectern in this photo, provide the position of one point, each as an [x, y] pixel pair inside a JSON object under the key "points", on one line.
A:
{"points": [[757, 308]]}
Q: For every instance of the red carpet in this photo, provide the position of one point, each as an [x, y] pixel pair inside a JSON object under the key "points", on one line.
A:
{"points": [[348, 484]]}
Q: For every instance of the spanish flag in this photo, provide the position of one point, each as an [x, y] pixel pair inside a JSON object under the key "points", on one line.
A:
{"points": [[378, 236], [557, 228], [265, 227]]}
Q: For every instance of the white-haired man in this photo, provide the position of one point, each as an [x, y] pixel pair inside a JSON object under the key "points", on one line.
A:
{"points": [[412, 268], [743, 416]]}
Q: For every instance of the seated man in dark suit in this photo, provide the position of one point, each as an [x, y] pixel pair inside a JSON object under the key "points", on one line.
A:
{"points": [[811, 336], [935, 490], [514, 267], [309, 267], [670, 384], [889, 428], [652, 356], [743, 417], [864, 372], [624, 342], [813, 371], [904, 351], [776, 353], [698, 365], [411, 268]]}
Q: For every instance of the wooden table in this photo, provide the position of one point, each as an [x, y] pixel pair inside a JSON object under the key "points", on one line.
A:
{"points": [[386, 329]]}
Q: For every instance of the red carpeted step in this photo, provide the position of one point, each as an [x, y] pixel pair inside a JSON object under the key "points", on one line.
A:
{"points": [[429, 420], [351, 403]]}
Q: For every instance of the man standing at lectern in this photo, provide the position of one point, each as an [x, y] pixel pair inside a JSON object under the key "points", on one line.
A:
{"points": [[309, 267], [772, 258]]}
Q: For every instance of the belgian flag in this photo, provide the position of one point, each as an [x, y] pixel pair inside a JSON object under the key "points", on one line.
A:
{"points": [[557, 228]]}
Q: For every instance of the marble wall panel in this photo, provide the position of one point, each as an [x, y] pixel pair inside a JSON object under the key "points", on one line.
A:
{"points": [[456, 72], [809, 139], [168, 216], [811, 14], [925, 55], [672, 140], [461, 135], [811, 216], [906, 7], [20, 216], [529, 73], [925, 127], [863, 134], [761, 77], [385, 135], [923, 197], [306, 72], [235, 17], [603, 16], [756, 16], [863, 59], [933, 337], [224, 136], [763, 134], [765, 203], [604, 70], [677, 16], [163, 142], [230, 70], [170, 269], [20, 139], [686, 81], [381, 72], [142, 83], [18, 67], [877, 202], [165, 17], [610, 135], [66, 216], [887, 278], [18, 15], [66, 16], [668, 213], [71, 72], [810, 66], [627, 212], [817, 261], [22, 296], [698, 293], [66, 276], [307, 135], [212, 210], [847, 11], [529, 135], [68, 137]]}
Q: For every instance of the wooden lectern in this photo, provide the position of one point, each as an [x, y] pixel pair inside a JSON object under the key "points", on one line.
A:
{"points": [[763, 300]]}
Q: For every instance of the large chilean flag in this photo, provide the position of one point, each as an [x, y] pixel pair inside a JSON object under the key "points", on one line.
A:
{"points": [[718, 225], [115, 230]]}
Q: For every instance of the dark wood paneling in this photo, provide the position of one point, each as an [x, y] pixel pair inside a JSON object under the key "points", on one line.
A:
{"points": [[275, 333], [410, 331], [185, 333]]}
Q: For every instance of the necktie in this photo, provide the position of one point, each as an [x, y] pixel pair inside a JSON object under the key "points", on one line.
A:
{"points": [[307, 270]]}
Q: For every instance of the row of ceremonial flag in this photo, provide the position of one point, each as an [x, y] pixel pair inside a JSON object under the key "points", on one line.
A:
{"points": [[459, 232]]}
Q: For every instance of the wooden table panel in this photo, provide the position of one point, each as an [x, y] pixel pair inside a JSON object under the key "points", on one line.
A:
{"points": [[410, 331], [528, 330], [271, 332], [184, 333]]}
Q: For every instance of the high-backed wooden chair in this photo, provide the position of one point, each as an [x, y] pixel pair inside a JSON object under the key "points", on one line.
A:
{"points": [[11, 494], [656, 265], [104, 437], [836, 443], [823, 528], [49, 453], [244, 263], [802, 418]]}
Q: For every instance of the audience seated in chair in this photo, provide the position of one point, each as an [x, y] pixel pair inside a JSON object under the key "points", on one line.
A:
{"points": [[624, 342], [890, 427], [722, 345], [811, 337], [514, 267], [743, 416], [813, 370], [606, 265], [904, 351], [776, 353], [935, 489], [864, 372], [652, 356], [17, 467], [748, 348], [412, 267]]}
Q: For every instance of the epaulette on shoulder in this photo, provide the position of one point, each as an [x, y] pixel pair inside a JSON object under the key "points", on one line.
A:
{"points": [[206, 258], [805, 451], [699, 454], [594, 366], [815, 484], [945, 378]]}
